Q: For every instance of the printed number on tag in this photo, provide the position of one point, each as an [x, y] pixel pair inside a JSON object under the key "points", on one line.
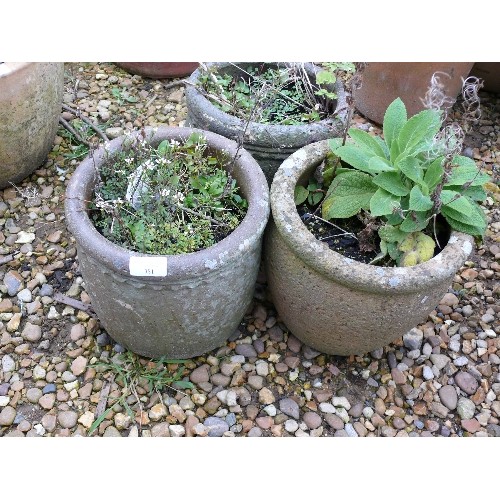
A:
{"points": [[148, 266]]}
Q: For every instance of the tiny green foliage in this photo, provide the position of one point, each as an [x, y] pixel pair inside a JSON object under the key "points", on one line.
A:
{"points": [[405, 180], [172, 199], [281, 95]]}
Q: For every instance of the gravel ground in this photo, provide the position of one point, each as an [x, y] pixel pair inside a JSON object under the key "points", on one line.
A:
{"points": [[441, 379]]}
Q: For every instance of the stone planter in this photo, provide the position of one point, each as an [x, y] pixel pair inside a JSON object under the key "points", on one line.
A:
{"points": [[30, 104], [202, 298], [268, 144], [385, 81], [335, 304], [159, 69]]}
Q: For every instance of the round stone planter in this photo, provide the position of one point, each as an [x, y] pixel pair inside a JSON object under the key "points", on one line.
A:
{"points": [[30, 104], [196, 300], [159, 69], [268, 144], [385, 81], [333, 303]]}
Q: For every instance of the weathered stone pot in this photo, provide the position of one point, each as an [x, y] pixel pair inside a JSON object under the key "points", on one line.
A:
{"points": [[382, 82], [30, 104], [335, 304], [159, 69], [269, 144], [203, 296]]}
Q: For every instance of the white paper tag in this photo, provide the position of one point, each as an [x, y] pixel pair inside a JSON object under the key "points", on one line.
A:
{"points": [[148, 266]]}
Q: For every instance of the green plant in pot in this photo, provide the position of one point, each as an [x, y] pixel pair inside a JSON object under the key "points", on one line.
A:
{"points": [[168, 225], [272, 109], [409, 201]]}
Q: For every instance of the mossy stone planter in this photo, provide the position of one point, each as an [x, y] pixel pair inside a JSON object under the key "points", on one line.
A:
{"points": [[202, 298], [30, 104], [269, 144], [335, 304]]}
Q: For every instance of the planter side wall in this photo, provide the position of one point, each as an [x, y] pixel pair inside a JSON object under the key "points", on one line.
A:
{"points": [[332, 317], [177, 320], [30, 105]]}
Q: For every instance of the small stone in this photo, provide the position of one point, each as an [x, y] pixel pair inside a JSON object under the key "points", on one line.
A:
{"points": [[312, 420], [49, 422], [7, 416], [334, 421], [471, 425], [39, 373], [413, 339], [448, 396], [428, 373], [255, 432], [200, 374], [160, 430], [262, 368], [246, 350], [49, 388], [114, 132], [266, 396], [47, 401], [31, 332], [77, 332], [33, 395], [25, 295], [8, 364], [398, 376], [310, 353], [264, 422], [289, 407], [13, 281], [53, 314], [291, 426], [461, 361], [439, 360], [157, 412], [450, 300], [327, 408], [67, 419], [4, 401], [46, 290], [111, 431], [79, 365], [216, 426], [439, 409], [87, 419], [256, 382], [466, 382], [351, 432], [466, 408], [176, 430]]}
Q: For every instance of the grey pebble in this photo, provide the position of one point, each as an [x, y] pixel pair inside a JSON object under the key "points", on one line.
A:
{"points": [[351, 432], [255, 432], [466, 408], [413, 339], [46, 290], [246, 350], [448, 396], [216, 426], [289, 407], [230, 419], [461, 361], [49, 388]]}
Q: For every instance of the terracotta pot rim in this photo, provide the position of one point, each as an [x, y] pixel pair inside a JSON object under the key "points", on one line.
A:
{"points": [[342, 269], [117, 258], [256, 128]]}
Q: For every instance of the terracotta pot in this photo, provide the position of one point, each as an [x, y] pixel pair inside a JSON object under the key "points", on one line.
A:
{"points": [[490, 73], [333, 303], [383, 82], [203, 296], [269, 144], [30, 104], [159, 69]]}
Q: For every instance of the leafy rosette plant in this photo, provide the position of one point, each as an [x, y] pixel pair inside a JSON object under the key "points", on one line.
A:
{"points": [[404, 181]]}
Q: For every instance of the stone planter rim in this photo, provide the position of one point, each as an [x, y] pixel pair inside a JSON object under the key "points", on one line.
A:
{"points": [[333, 265], [265, 132], [116, 258]]}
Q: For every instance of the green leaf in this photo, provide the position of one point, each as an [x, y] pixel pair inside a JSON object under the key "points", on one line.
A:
{"points": [[464, 228], [163, 148], [391, 181], [325, 77], [434, 173], [300, 195], [316, 198], [383, 203], [415, 221], [465, 172], [348, 193], [420, 128], [417, 248], [355, 156], [476, 193], [335, 143], [418, 201], [391, 234], [411, 168], [377, 164], [394, 120], [455, 200], [476, 218], [365, 141]]}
